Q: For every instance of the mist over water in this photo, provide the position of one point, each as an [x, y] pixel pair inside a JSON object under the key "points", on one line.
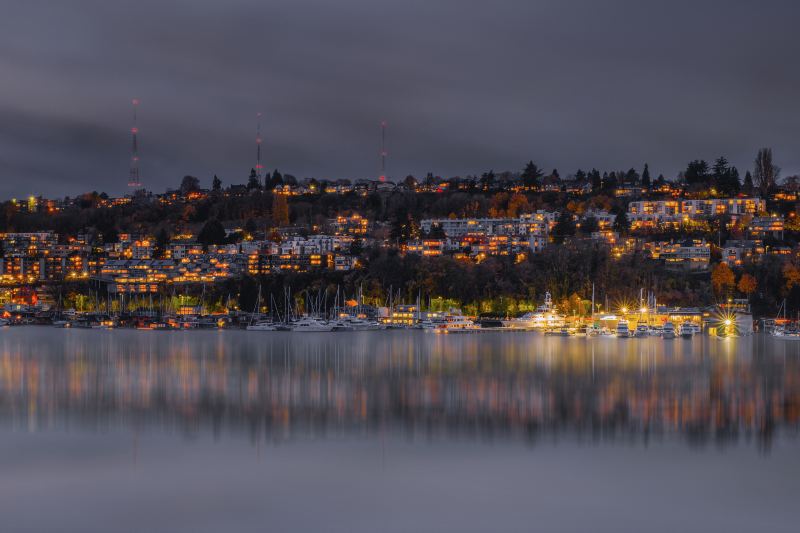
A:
{"points": [[395, 431]]}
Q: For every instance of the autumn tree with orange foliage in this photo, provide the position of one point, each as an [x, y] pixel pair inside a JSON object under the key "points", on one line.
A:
{"points": [[791, 275], [722, 278], [747, 284]]}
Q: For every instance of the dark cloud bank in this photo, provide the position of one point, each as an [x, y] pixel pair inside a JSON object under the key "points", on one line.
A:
{"points": [[465, 86]]}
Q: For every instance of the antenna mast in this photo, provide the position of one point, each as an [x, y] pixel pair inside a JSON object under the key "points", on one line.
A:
{"points": [[259, 166], [383, 151], [134, 181]]}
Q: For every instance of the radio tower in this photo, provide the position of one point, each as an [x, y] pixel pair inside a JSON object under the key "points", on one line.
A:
{"points": [[383, 151], [259, 166], [133, 179]]}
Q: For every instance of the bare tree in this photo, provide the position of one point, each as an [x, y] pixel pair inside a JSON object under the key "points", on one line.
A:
{"points": [[765, 174]]}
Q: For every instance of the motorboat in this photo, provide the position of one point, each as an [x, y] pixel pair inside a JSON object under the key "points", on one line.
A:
{"points": [[262, 325], [310, 324], [351, 323], [668, 331], [455, 321], [622, 329], [656, 331], [687, 330], [641, 330], [560, 332], [593, 331], [544, 317], [784, 334]]}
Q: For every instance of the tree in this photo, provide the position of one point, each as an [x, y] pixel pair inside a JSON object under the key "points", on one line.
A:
{"points": [[252, 182], [189, 184], [726, 177], [747, 284], [589, 225], [696, 172], [280, 210], [250, 227], [275, 180], [748, 187], [212, 233], [517, 204], [765, 173], [216, 184], [621, 223], [162, 241], [564, 227], [596, 180], [722, 278], [646, 176], [532, 175], [610, 182]]}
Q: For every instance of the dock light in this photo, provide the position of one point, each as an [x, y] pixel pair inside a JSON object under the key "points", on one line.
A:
{"points": [[624, 309], [727, 321], [643, 310]]}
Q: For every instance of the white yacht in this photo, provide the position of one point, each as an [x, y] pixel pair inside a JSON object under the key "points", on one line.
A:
{"points": [[360, 324], [687, 330], [668, 331], [780, 332], [455, 321], [545, 317], [262, 325], [641, 330], [622, 329], [310, 324]]}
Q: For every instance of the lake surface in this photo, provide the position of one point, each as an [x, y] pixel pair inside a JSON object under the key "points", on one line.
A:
{"points": [[395, 431]]}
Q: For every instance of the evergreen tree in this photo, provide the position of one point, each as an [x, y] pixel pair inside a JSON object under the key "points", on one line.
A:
{"points": [[275, 180], [596, 179], [696, 173], [252, 181], [532, 175], [212, 233], [162, 241], [621, 223], [589, 225], [646, 176], [747, 187], [216, 184], [564, 227]]}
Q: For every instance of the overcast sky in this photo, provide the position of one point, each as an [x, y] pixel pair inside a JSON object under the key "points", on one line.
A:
{"points": [[465, 86]]}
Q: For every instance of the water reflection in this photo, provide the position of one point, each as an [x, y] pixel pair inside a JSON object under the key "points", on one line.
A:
{"points": [[489, 386]]}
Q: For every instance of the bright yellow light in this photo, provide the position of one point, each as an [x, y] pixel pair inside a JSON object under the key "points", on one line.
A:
{"points": [[643, 310], [624, 309], [728, 322]]}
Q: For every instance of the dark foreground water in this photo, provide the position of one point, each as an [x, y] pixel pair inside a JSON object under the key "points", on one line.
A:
{"points": [[395, 431]]}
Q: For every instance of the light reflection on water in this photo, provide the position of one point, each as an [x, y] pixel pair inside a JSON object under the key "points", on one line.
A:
{"points": [[492, 386]]}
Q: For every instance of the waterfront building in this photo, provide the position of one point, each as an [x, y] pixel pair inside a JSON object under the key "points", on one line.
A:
{"points": [[689, 254]]}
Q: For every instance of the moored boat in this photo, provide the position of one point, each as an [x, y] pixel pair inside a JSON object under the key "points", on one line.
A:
{"points": [[310, 324]]}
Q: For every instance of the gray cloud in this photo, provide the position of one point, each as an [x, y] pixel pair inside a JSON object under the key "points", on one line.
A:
{"points": [[465, 86]]}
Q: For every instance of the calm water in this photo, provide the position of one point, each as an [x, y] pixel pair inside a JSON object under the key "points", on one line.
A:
{"points": [[395, 431]]}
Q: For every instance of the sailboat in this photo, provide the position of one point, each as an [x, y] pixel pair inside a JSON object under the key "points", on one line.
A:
{"points": [[259, 325]]}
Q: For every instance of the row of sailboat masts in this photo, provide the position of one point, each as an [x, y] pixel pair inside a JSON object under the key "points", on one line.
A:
{"points": [[143, 304]]}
